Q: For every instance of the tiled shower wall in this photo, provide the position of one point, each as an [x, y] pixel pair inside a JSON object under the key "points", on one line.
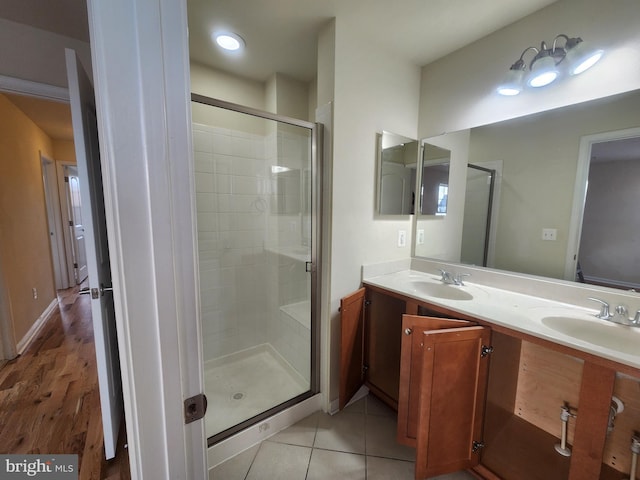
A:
{"points": [[243, 282]]}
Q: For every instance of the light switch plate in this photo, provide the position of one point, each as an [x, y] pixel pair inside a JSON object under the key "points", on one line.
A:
{"points": [[402, 238], [420, 239]]}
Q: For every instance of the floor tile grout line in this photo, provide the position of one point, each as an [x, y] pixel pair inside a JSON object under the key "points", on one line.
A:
{"points": [[246, 475]]}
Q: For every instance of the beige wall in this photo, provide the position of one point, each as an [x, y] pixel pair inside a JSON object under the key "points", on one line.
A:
{"points": [[24, 244]]}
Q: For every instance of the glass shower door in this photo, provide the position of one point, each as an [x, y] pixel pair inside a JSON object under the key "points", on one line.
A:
{"points": [[254, 177]]}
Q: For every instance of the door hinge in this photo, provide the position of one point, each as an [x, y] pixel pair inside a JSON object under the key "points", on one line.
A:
{"points": [[66, 179], [367, 303], [364, 369], [71, 223], [75, 265], [484, 351], [475, 446], [195, 407], [308, 267]]}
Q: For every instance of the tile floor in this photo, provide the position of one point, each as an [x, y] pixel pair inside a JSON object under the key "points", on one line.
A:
{"points": [[356, 444]]}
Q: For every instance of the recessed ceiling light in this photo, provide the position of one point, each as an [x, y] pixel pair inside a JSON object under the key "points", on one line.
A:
{"points": [[229, 41]]}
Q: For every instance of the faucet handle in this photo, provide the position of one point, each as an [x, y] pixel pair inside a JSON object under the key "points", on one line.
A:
{"points": [[445, 276], [458, 278], [604, 310]]}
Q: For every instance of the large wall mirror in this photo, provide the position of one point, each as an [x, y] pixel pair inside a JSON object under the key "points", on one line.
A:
{"points": [[539, 221], [397, 159]]}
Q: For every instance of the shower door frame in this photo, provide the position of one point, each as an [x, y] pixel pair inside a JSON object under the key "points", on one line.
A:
{"points": [[313, 267]]}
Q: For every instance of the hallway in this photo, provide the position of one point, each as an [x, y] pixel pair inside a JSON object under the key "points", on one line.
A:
{"points": [[49, 401]]}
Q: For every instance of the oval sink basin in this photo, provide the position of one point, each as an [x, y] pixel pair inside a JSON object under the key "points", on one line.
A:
{"points": [[598, 332], [441, 290]]}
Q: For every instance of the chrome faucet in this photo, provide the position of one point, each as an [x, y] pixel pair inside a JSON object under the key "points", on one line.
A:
{"points": [[452, 278], [620, 316]]}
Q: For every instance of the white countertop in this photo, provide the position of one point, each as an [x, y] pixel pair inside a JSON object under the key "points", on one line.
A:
{"points": [[562, 323]]}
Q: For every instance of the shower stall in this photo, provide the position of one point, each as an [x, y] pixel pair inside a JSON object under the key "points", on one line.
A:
{"points": [[257, 204]]}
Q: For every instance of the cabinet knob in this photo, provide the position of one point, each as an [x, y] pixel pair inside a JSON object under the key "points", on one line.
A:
{"points": [[407, 331]]}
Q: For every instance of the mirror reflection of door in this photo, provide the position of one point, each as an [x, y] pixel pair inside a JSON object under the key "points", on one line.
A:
{"points": [[476, 226], [610, 241], [75, 223]]}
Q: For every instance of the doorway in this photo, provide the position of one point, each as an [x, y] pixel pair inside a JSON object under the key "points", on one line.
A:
{"points": [[477, 226], [606, 236]]}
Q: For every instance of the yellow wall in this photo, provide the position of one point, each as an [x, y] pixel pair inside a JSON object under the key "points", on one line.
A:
{"points": [[64, 151], [24, 244]]}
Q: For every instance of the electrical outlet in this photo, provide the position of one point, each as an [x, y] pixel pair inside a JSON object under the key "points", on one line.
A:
{"points": [[34, 292], [549, 233], [402, 238], [420, 239]]}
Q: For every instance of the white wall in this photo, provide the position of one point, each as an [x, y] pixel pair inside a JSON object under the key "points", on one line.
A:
{"points": [[32, 54], [374, 91], [458, 91]]}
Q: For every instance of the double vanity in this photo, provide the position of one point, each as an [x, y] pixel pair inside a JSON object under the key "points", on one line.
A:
{"points": [[507, 376]]}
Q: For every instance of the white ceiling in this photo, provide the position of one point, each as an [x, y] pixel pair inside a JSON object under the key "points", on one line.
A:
{"points": [[280, 35], [64, 17]]}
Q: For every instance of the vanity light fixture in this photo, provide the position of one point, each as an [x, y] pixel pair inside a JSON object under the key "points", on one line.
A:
{"points": [[549, 63], [229, 41]]}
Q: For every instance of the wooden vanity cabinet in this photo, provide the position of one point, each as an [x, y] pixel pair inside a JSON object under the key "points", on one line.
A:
{"points": [[450, 395], [370, 345]]}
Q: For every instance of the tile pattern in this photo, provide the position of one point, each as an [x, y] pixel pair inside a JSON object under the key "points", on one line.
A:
{"points": [[356, 444]]}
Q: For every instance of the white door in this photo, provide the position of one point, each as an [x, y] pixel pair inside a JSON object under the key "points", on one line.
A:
{"points": [[77, 225], [85, 132]]}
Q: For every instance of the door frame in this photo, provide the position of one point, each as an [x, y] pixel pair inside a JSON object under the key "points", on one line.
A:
{"points": [[580, 192], [54, 222], [144, 120], [64, 212]]}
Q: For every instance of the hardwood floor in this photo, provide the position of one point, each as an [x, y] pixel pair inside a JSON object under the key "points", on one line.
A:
{"points": [[49, 400]]}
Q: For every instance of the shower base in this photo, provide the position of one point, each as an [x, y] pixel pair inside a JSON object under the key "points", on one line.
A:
{"points": [[244, 384]]}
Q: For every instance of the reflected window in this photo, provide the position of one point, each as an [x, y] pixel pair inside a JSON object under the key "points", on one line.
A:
{"points": [[443, 194]]}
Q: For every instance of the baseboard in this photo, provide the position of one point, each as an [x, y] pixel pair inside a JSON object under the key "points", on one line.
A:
{"points": [[35, 328]]}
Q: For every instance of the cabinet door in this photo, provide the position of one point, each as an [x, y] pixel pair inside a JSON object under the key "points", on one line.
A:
{"points": [[411, 370], [351, 345], [452, 390], [382, 327]]}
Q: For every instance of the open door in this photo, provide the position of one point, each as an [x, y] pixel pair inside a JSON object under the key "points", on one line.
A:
{"points": [[85, 132], [452, 387], [351, 345], [411, 370]]}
